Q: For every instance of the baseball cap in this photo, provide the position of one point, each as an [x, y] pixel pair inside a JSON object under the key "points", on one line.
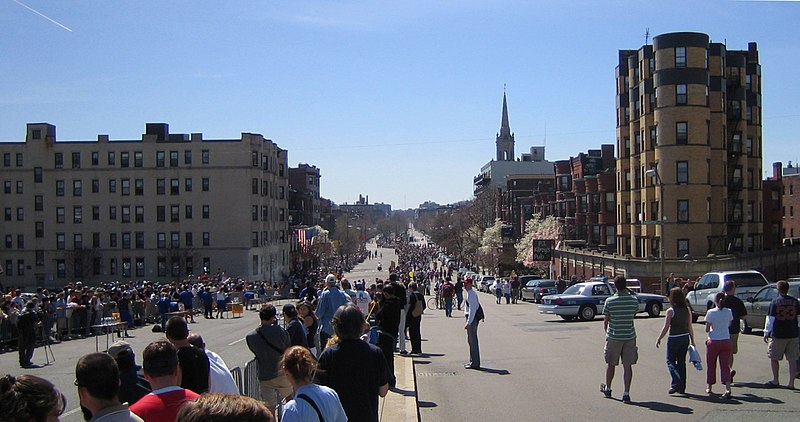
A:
{"points": [[118, 347]]}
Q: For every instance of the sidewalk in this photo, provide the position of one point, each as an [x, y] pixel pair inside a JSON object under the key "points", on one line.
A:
{"points": [[400, 405]]}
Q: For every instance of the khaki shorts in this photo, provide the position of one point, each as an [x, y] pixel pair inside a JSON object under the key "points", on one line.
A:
{"points": [[735, 343], [627, 350], [780, 347], [273, 388]]}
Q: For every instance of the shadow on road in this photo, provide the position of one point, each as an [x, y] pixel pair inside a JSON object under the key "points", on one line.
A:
{"points": [[431, 355], [408, 393], [494, 371], [735, 399], [426, 404], [664, 407]]}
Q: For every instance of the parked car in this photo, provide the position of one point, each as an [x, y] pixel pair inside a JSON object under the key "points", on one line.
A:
{"points": [[585, 300], [524, 279], [486, 283], [634, 284], [536, 289], [701, 299], [758, 305]]}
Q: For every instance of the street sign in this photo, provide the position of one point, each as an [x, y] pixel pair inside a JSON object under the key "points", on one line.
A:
{"points": [[543, 250]]}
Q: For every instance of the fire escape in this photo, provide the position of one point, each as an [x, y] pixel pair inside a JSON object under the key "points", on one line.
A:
{"points": [[735, 93]]}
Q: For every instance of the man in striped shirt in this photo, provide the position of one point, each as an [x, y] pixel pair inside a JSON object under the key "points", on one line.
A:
{"points": [[619, 311]]}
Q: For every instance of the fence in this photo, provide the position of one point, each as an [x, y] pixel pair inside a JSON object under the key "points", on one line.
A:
{"points": [[247, 379]]}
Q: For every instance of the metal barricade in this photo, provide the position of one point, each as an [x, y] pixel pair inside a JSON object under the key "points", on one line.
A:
{"points": [[252, 388], [236, 373]]}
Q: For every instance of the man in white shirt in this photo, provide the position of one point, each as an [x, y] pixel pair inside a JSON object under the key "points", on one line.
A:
{"points": [[220, 379], [473, 314], [362, 299]]}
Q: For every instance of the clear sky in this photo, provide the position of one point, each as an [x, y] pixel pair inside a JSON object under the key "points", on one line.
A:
{"points": [[398, 100]]}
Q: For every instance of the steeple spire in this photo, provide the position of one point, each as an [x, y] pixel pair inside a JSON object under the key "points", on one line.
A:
{"points": [[505, 139], [505, 128]]}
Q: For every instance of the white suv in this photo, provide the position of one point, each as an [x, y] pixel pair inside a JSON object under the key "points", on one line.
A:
{"points": [[701, 299]]}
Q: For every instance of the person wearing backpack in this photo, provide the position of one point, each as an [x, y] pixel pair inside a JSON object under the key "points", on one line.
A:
{"points": [[417, 306], [448, 290], [474, 314]]}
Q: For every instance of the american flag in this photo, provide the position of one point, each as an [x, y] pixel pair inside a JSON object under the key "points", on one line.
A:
{"points": [[302, 240]]}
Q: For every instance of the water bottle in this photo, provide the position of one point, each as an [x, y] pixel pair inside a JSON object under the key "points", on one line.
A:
{"points": [[698, 365]]}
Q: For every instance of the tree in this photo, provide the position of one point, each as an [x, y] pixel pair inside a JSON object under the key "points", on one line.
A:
{"points": [[537, 228], [491, 243]]}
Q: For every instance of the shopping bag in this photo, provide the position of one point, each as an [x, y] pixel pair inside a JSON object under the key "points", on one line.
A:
{"points": [[694, 357]]}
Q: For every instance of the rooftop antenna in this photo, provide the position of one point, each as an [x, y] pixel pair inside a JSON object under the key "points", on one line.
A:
{"points": [[646, 36]]}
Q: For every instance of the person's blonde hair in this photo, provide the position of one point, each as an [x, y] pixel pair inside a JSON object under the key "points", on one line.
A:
{"points": [[215, 407], [298, 362]]}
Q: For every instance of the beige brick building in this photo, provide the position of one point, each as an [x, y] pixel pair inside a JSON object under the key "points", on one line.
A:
{"points": [[156, 208], [693, 109]]}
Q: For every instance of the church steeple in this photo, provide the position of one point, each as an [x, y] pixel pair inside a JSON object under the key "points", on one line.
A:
{"points": [[505, 139]]}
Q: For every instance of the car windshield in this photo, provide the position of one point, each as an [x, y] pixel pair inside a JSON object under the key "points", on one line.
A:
{"points": [[531, 283], [574, 290], [747, 280]]}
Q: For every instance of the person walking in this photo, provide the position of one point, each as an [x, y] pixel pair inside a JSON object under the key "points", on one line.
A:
{"points": [[507, 291], [678, 321], [514, 289], [781, 332], [473, 314], [718, 345], [497, 288], [739, 311], [294, 326], [619, 311], [448, 290], [459, 293], [268, 342], [414, 321], [310, 400], [329, 301], [387, 318], [305, 311]]}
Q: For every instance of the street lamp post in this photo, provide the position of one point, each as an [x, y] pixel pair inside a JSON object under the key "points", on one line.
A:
{"points": [[653, 172]]}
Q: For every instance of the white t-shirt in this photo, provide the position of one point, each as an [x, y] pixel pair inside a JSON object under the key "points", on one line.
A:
{"points": [[719, 319], [361, 301]]}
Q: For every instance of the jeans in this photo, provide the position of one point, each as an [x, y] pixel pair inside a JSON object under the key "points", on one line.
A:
{"points": [[718, 349], [402, 330], [472, 340], [677, 347], [459, 298], [448, 306]]}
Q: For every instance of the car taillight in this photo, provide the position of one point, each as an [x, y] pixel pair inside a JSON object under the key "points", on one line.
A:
{"points": [[559, 301]]}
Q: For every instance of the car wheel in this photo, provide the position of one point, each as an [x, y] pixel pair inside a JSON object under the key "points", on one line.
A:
{"points": [[587, 312], [746, 328], [653, 309]]}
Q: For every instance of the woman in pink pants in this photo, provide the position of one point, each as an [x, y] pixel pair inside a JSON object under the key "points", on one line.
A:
{"points": [[718, 345]]}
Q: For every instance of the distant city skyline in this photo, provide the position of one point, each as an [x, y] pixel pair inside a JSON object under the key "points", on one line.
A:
{"points": [[397, 101]]}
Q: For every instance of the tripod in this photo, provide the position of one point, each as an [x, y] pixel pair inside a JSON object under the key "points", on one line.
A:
{"points": [[48, 350]]}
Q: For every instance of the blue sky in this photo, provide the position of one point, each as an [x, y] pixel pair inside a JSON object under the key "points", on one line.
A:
{"points": [[396, 100]]}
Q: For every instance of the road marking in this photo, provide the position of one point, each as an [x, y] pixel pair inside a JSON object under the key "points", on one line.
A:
{"points": [[231, 344], [75, 410]]}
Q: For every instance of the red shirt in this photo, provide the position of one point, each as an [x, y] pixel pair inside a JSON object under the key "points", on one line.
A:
{"points": [[162, 405]]}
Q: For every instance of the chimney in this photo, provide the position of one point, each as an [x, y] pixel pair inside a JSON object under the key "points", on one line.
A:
{"points": [[777, 170]]}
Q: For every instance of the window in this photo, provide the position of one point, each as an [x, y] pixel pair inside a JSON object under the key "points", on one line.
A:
{"points": [[140, 267], [161, 265], [126, 267], [77, 241], [77, 215], [206, 211], [680, 94], [161, 240], [751, 206], [6, 159], [40, 229], [20, 241], [112, 266], [60, 241], [188, 239], [112, 213], [264, 213], [174, 213], [161, 186], [61, 268], [112, 161], [139, 214], [7, 214], [683, 247], [682, 172], [126, 240], [254, 158], [37, 175], [205, 184], [680, 56], [95, 158], [59, 188], [96, 239], [38, 203], [126, 186], [95, 213], [749, 147], [173, 158], [39, 258], [139, 238], [76, 160], [206, 238], [126, 213], [187, 184], [254, 239], [254, 186], [187, 157], [20, 214], [9, 242], [187, 212], [161, 213], [683, 211], [112, 185], [124, 159], [138, 159], [175, 239], [160, 158], [19, 159], [281, 193], [95, 186], [20, 187], [174, 186], [138, 187], [60, 215], [205, 156], [282, 214], [254, 212], [58, 160], [77, 188], [681, 133]]}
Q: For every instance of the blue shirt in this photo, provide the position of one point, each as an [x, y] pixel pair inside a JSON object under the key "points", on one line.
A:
{"points": [[329, 301], [327, 402]]}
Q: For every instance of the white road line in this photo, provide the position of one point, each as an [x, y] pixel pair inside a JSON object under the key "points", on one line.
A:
{"points": [[231, 344], [75, 410]]}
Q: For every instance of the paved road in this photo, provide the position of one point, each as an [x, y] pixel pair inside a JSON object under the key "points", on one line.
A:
{"points": [[540, 368]]}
